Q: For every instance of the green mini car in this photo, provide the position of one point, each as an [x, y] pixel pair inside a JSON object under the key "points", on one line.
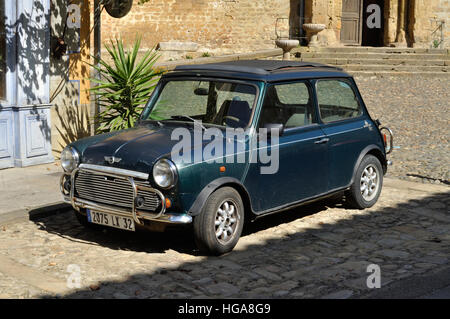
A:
{"points": [[220, 144]]}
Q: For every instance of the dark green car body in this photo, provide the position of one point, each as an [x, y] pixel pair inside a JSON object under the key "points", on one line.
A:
{"points": [[315, 160]]}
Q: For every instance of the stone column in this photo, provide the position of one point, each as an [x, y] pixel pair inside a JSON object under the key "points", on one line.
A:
{"points": [[400, 40]]}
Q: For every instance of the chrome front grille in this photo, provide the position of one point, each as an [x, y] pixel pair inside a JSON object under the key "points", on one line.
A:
{"points": [[113, 191]]}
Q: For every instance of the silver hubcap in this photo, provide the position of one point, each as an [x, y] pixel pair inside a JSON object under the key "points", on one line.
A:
{"points": [[226, 221], [369, 182]]}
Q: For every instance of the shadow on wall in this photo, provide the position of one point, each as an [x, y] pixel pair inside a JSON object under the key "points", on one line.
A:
{"points": [[307, 260], [73, 124], [71, 118]]}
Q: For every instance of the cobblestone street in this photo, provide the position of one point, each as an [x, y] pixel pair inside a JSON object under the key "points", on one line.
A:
{"points": [[320, 250], [201, 124], [311, 252], [417, 110]]}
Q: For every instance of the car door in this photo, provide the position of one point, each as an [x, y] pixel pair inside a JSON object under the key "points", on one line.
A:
{"points": [[302, 151], [345, 124]]}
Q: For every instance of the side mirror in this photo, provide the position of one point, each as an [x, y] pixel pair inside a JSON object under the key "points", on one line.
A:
{"points": [[274, 127]]}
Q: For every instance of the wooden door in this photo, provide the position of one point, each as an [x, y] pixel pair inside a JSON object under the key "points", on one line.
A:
{"points": [[351, 22]]}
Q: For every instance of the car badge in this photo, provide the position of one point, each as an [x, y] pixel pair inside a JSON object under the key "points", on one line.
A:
{"points": [[112, 159]]}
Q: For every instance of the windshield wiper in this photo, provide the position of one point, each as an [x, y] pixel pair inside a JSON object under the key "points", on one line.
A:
{"points": [[186, 117], [152, 121]]}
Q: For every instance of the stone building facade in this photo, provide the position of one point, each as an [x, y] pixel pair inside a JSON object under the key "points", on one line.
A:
{"points": [[224, 26]]}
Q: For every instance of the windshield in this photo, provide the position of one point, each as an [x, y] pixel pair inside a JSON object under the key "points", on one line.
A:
{"points": [[212, 102]]}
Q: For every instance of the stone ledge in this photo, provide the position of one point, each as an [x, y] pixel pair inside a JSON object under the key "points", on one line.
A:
{"points": [[168, 66], [177, 46]]}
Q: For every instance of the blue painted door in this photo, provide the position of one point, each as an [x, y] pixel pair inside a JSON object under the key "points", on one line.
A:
{"points": [[302, 168]]}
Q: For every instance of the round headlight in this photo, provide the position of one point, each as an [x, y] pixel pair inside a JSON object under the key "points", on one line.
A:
{"points": [[165, 173], [69, 159]]}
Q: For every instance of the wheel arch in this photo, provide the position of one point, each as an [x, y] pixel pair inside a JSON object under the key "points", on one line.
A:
{"points": [[370, 150], [200, 201]]}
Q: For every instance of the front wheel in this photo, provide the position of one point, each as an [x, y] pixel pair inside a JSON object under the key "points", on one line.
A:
{"points": [[367, 184], [218, 227]]}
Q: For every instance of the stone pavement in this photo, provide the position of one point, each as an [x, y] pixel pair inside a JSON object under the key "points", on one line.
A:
{"points": [[416, 109], [316, 251], [29, 191]]}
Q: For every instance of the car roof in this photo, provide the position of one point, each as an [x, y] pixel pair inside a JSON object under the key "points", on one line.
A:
{"points": [[265, 70]]}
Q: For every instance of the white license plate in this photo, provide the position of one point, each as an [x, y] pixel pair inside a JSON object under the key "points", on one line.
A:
{"points": [[110, 220]]}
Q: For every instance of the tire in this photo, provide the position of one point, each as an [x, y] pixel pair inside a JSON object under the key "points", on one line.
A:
{"points": [[224, 207], [367, 184]]}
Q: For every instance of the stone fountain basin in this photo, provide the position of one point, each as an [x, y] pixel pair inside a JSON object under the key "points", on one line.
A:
{"points": [[287, 44], [314, 27]]}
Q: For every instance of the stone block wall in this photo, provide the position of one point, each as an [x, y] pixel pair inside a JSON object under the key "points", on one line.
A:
{"points": [[218, 26], [232, 26]]}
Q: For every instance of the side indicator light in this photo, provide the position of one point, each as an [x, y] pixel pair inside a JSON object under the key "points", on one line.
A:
{"points": [[222, 169]]}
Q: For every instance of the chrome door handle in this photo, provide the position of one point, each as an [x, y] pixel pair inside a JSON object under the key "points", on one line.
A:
{"points": [[322, 141]]}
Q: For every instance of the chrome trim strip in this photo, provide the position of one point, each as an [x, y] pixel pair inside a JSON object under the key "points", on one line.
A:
{"points": [[114, 170]]}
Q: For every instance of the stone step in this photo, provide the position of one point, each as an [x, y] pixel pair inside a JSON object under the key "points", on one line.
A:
{"points": [[393, 68], [402, 74], [370, 50], [355, 55], [343, 62]]}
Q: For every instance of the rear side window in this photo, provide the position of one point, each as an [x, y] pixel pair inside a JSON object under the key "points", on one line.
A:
{"points": [[337, 100]]}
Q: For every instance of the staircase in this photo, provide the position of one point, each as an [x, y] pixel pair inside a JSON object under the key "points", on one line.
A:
{"points": [[360, 61]]}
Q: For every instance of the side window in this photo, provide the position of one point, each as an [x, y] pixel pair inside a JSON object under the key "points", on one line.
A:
{"points": [[288, 104], [337, 101]]}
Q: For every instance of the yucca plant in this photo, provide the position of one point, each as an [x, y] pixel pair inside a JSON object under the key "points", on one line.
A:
{"points": [[124, 86]]}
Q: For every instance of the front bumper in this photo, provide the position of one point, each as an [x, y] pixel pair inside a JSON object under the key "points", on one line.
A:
{"points": [[126, 175]]}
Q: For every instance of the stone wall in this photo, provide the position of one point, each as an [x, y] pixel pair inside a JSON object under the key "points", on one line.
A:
{"points": [[428, 15], [218, 26], [232, 26]]}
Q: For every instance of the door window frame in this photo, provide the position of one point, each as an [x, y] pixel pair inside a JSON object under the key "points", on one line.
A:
{"points": [[315, 116]]}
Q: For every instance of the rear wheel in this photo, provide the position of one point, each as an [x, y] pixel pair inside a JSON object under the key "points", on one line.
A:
{"points": [[219, 226], [367, 183]]}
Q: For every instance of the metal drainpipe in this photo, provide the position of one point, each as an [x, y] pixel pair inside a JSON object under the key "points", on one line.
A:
{"points": [[97, 48], [301, 20]]}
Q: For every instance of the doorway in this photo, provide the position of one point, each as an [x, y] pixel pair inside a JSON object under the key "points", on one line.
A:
{"points": [[373, 23], [355, 27]]}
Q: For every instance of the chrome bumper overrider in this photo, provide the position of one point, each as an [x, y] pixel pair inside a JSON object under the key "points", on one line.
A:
{"points": [[391, 140], [126, 175]]}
